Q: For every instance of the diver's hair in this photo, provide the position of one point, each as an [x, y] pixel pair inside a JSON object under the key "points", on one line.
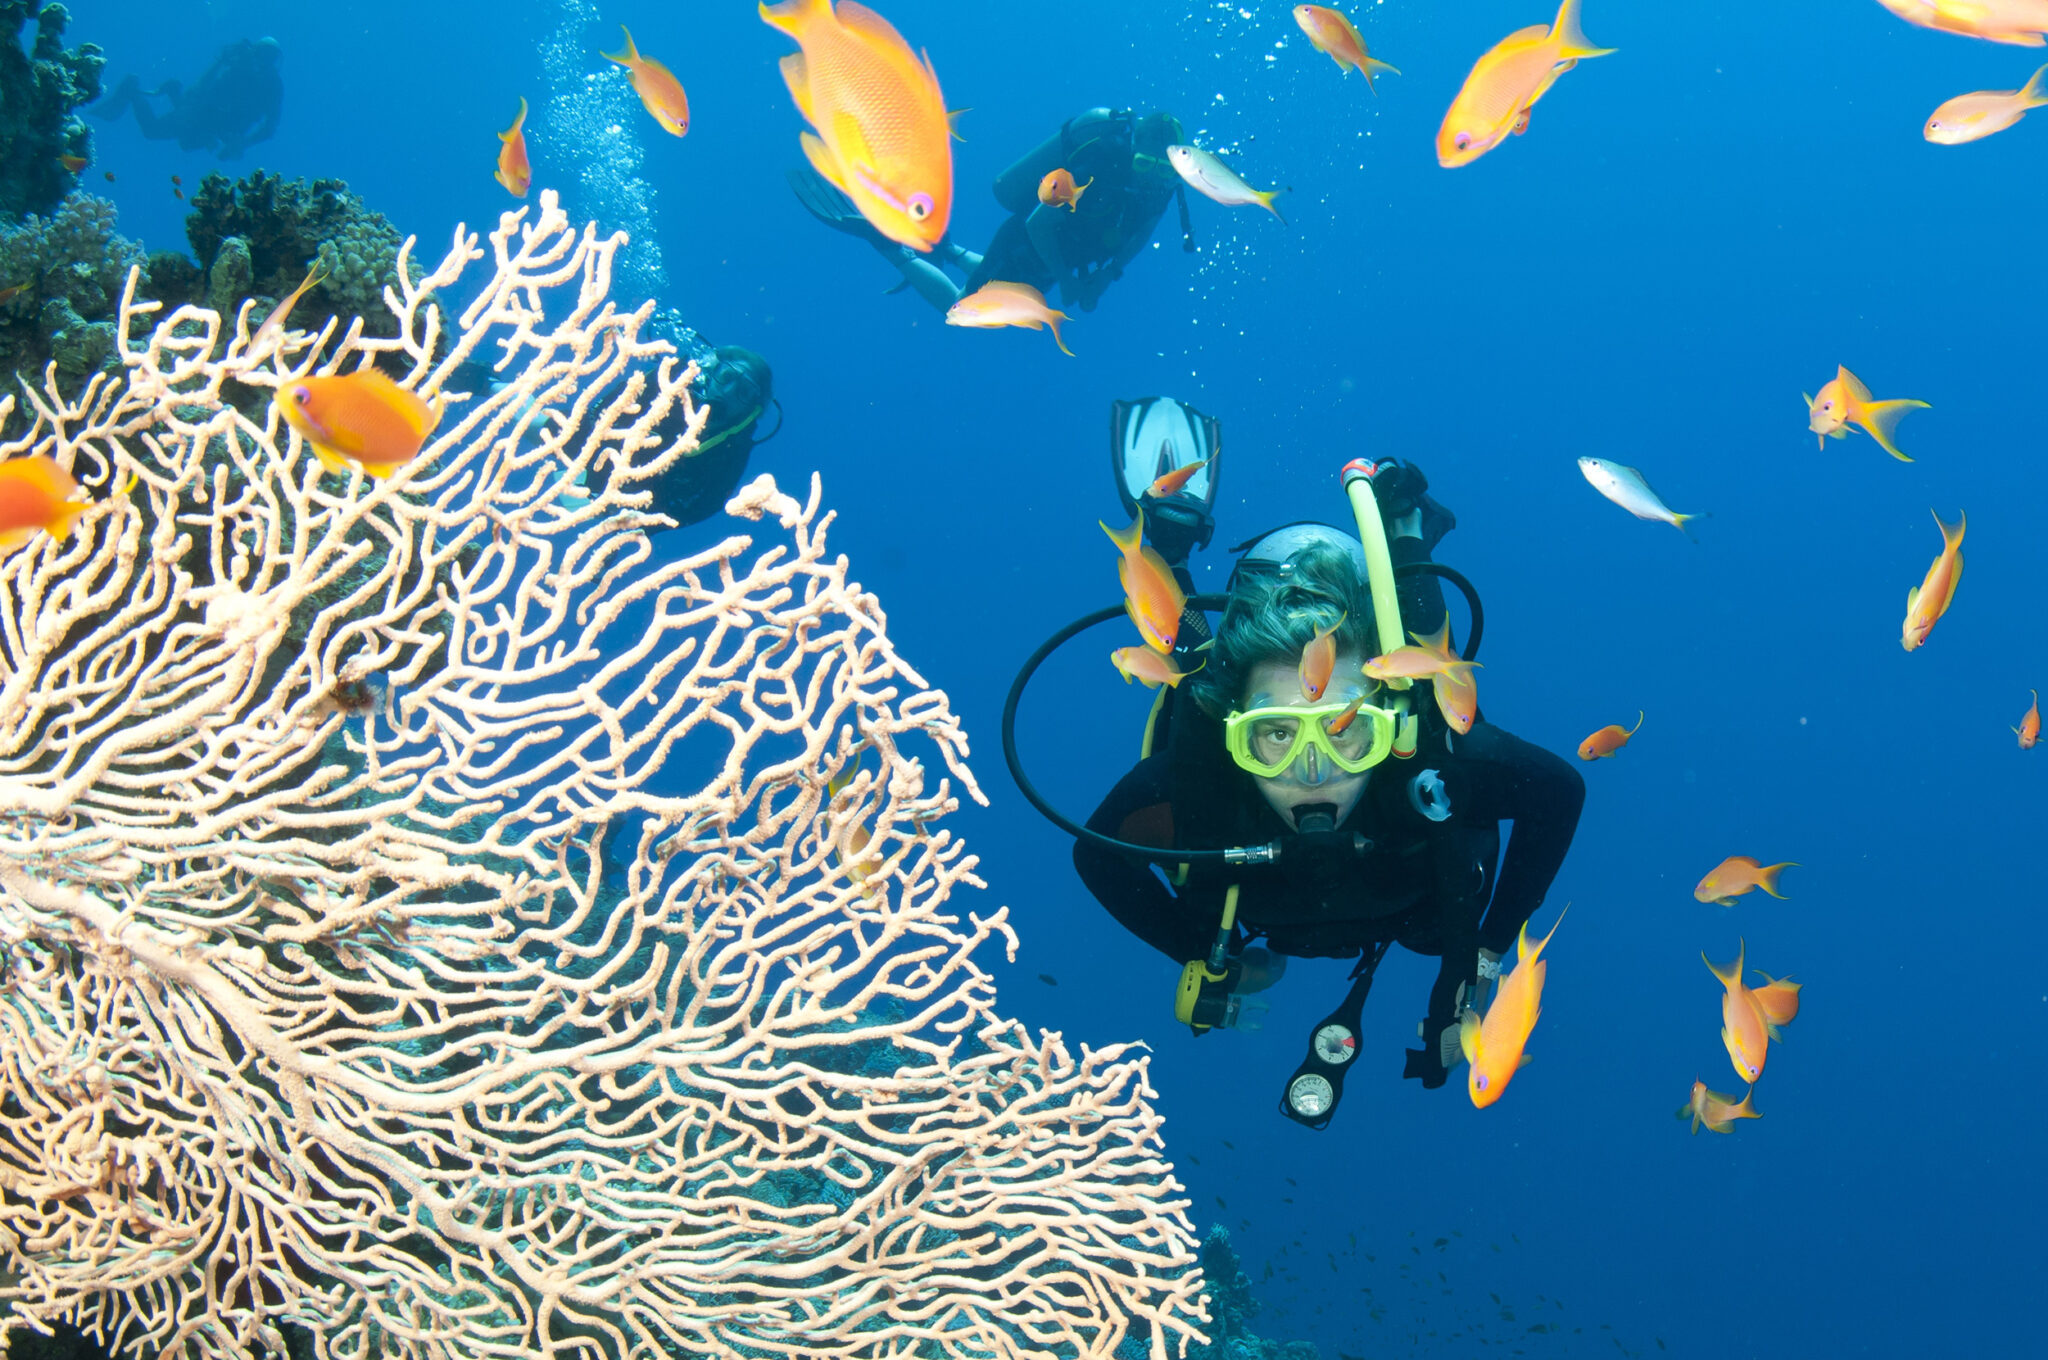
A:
{"points": [[1272, 615]]}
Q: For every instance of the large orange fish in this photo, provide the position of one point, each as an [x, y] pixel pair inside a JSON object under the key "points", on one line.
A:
{"points": [[514, 171], [36, 497], [1738, 875], [1844, 401], [1058, 190], [998, 303], [1609, 739], [1746, 1031], [360, 420], [1318, 660], [1928, 601], [1334, 35], [659, 90], [1506, 83], [1152, 598], [882, 137], [1716, 1111], [1494, 1046], [2029, 730], [2018, 22]]}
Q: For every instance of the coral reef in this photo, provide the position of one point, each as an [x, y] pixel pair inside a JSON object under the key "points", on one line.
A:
{"points": [[283, 225], [69, 267], [1228, 1291], [42, 85]]}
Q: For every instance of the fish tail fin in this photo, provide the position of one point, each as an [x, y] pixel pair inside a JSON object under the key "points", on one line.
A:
{"points": [[517, 123], [1126, 540], [1880, 418], [627, 57], [1679, 522], [1767, 877], [1266, 198], [1371, 67], [1952, 534], [1639, 723], [2033, 93], [1052, 323], [1522, 950], [1571, 40], [1728, 976], [793, 16], [1747, 1109]]}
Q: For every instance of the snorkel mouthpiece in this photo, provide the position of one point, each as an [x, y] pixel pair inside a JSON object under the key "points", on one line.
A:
{"points": [[1315, 817]]}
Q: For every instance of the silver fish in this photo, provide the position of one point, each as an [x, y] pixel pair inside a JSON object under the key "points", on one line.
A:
{"points": [[1626, 488], [1212, 179]]}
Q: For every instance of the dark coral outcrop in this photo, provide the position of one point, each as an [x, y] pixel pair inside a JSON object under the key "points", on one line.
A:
{"points": [[43, 83]]}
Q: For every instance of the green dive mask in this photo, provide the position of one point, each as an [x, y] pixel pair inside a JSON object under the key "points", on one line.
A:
{"points": [[1269, 741]]}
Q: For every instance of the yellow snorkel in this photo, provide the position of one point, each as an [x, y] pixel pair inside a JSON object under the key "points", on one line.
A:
{"points": [[1386, 606]]}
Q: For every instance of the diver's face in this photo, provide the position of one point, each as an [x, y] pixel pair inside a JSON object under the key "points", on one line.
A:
{"points": [[1310, 779]]}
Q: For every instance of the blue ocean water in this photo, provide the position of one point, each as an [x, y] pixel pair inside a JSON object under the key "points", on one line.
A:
{"points": [[1693, 231]]}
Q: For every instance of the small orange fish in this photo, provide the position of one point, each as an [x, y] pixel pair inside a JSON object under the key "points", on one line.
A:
{"points": [[1170, 483], [659, 90], [1421, 662], [1737, 875], [360, 420], [1148, 667], [1845, 401], [1928, 601], [514, 171], [1971, 117], [1318, 659], [1334, 35], [1609, 739], [882, 135], [1341, 724], [1746, 1031], [36, 497], [1778, 998], [2029, 730], [1152, 598], [1716, 1111], [1455, 692], [73, 163], [1058, 190], [1506, 82], [1495, 1046], [2020, 23], [998, 304], [12, 291]]}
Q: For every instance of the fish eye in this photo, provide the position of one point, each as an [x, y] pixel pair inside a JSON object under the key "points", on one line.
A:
{"points": [[1464, 141], [920, 206], [1479, 1080], [302, 394]]}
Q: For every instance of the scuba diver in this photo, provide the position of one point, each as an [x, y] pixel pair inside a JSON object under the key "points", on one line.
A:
{"points": [[1080, 249], [739, 387], [234, 105], [1271, 818]]}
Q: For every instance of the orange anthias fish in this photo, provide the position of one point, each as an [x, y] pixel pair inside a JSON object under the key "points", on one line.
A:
{"points": [[1746, 1031], [1928, 601], [1716, 1111], [1334, 35], [656, 85], [1341, 724], [2020, 23], [514, 171], [1494, 1046], [73, 163], [2029, 730], [1506, 83], [1455, 692], [1970, 117], [997, 304], [1422, 661], [882, 136], [1318, 659], [36, 497], [1778, 998], [13, 291], [359, 420], [1609, 739], [1169, 483], [1148, 667], [1152, 597], [1738, 875], [1845, 401], [1058, 190]]}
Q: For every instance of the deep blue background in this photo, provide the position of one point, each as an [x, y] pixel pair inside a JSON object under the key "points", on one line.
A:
{"points": [[1693, 231]]}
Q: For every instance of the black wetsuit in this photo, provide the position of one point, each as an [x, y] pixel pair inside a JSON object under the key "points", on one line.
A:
{"points": [[1437, 888]]}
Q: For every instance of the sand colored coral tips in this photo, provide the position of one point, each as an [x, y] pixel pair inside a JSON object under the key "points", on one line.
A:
{"points": [[434, 918]]}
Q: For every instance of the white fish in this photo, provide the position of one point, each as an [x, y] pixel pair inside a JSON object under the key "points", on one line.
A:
{"points": [[1212, 179], [1627, 489]]}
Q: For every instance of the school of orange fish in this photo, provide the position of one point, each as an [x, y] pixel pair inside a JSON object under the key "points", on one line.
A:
{"points": [[881, 134]]}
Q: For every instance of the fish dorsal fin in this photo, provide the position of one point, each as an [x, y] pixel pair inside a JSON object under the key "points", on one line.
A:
{"points": [[1852, 386], [1022, 290]]}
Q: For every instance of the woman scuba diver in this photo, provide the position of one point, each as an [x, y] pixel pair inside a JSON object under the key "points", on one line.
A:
{"points": [[1276, 819]]}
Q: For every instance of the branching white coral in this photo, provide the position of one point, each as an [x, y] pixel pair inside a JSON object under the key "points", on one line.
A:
{"points": [[434, 919]]}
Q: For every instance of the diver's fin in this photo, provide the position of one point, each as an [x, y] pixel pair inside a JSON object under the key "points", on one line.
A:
{"points": [[823, 200], [901, 285]]}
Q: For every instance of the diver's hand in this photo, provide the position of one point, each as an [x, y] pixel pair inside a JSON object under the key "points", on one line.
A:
{"points": [[1401, 491]]}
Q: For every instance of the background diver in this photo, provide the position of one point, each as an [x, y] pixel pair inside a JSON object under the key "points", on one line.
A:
{"points": [[232, 106], [1080, 250], [1371, 852]]}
